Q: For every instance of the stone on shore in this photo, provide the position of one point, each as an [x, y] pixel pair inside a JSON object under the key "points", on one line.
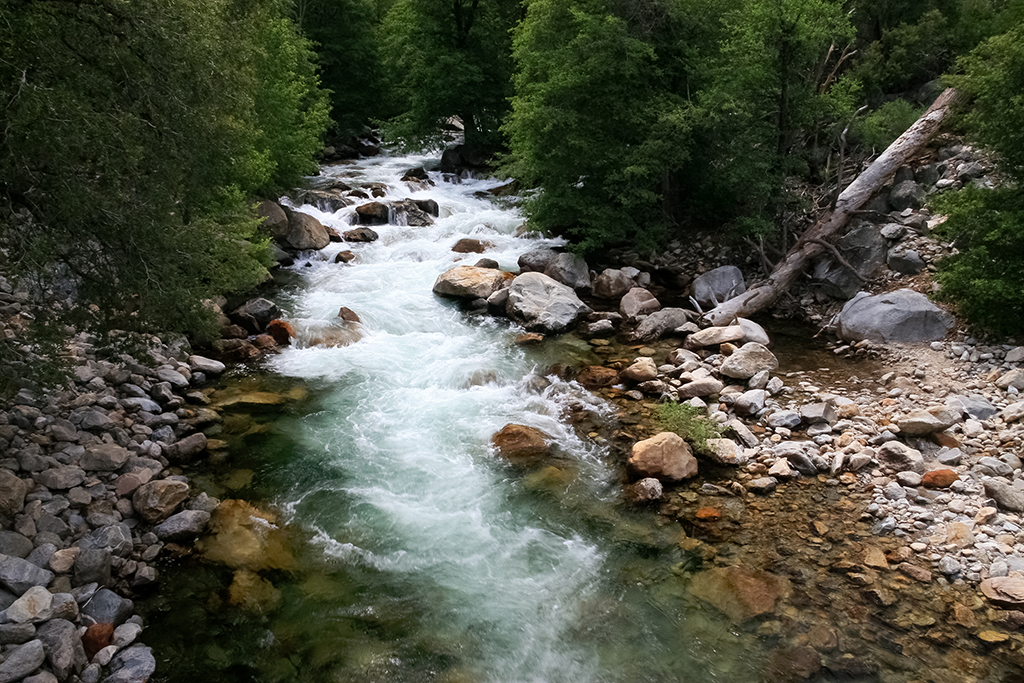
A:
{"points": [[12, 493], [182, 526], [642, 370], [18, 575], [659, 324], [638, 301], [1005, 591], [569, 269], [135, 664], [596, 377], [105, 457], [665, 456], [470, 282], [64, 648], [304, 232], [155, 501], [748, 360], [724, 452], [713, 336], [612, 284], [900, 316], [543, 305], [923, 422], [1006, 496], [21, 661], [185, 450], [900, 457], [718, 285]]}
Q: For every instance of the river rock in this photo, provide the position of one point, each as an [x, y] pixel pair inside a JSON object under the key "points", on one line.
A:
{"points": [[718, 285], [750, 402], [521, 444], [569, 269], [788, 419], [185, 450], [207, 366], [724, 452], [107, 607], [12, 493], [818, 413], [700, 388], [748, 360], [1013, 412], [923, 422], [792, 665], [155, 501], [408, 212], [974, 405], [900, 457], [34, 606], [135, 664], [184, 525], [92, 565], [1005, 495], [470, 282], [360, 235], [647, 490], [659, 324], [900, 316], [713, 336], [104, 457], [1014, 378], [373, 213], [739, 592], [752, 332], [18, 575], [468, 245], [253, 315], [638, 301], [665, 456], [939, 479], [22, 661], [642, 370], [1005, 591], [543, 305], [304, 232], [13, 543], [63, 647], [864, 248], [116, 537], [275, 220], [596, 377], [537, 260], [611, 284]]}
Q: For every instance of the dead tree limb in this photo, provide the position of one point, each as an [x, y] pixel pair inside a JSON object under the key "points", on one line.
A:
{"points": [[799, 257]]}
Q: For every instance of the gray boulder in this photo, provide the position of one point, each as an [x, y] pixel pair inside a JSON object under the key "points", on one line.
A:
{"points": [[907, 195], [254, 316], [900, 316], [132, 665], [22, 661], [184, 525], [1005, 495], [107, 607], [864, 248], [612, 284], [906, 262], [541, 304], [63, 647], [304, 232], [536, 261], [570, 270], [18, 575], [748, 360], [638, 301], [659, 324], [718, 285], [275, 220], [974, 405]]}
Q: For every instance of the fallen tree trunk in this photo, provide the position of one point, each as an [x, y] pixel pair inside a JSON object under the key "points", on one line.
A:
{"points": [[810, 244]]}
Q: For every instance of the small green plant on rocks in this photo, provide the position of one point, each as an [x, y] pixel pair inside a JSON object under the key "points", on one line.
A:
{"points": [[688, 422]]}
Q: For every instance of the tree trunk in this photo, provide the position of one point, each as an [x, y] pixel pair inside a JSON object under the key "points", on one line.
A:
{"points": [[789, 269]]}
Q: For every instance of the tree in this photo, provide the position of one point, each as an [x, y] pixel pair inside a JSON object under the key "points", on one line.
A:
{"points": [[133, 137], [446, 58]]}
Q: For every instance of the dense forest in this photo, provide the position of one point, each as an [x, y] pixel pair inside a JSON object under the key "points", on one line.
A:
{"points": [[136, 136]]}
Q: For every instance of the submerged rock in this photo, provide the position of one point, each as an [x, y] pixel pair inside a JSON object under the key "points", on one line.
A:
{"points": [[739, 592]]}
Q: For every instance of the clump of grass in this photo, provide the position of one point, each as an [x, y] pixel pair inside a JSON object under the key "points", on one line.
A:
{"points": [[688, 422]]}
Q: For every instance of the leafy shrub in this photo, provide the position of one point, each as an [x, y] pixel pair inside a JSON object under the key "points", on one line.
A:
{"points": [[878, 129], [688, 422]]}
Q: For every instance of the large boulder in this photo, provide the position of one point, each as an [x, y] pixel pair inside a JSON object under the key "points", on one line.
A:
{"points": [[864, 248], [304, 232], [374, 213], [275, 220], [63, 647], [521, 445], [570, 270], [718, 285], [408, 212], [536, 261], [636, 302], [470, 282], [907, 195], [748, 360], [612, 283], [900, 316], [255, 315], [665, 456], [541, 304]]}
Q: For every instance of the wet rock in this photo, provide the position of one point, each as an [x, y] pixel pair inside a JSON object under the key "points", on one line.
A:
{"points": [[253, 315], [63, 647], [469, 282], [104, 457], [792, 664], [595, 377], [923, 422], [900, 316], [468, 245], [282, 332], [718, 285], [373, 213], [642, 370], [360, 235], [543, 305], [917, 573], [762, 485], [797, 454], [155, 501], [408, 212], [569, 269], [304, 232], [612, 284], [900, 457], [182, 526], [1005, 591], [18, 575], [108, 607], [243, 536], [132, 665], [22, 661], [1005, 495], [739, 592], [665, 456], [521, 444], [536, 261], [185, 450], [659, 324], [647, 490], [345, 256], [638, 301]]}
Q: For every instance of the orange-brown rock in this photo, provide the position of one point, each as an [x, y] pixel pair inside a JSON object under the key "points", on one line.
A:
{"points": [[344, 257], [529, 338], [939, 479], [348, 315], [469, 282], [665, 457], [596, 377], [1005, 591], [521, 445], [708, 514], [282, 331], [264, 342], [739, 592], [468, 245], [97, 637], [792, 664]]}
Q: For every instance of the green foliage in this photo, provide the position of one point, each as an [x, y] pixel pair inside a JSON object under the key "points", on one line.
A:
{"points": [[688, 422], [878, 129], [445, 58], [987, 227], [133, 136]]}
